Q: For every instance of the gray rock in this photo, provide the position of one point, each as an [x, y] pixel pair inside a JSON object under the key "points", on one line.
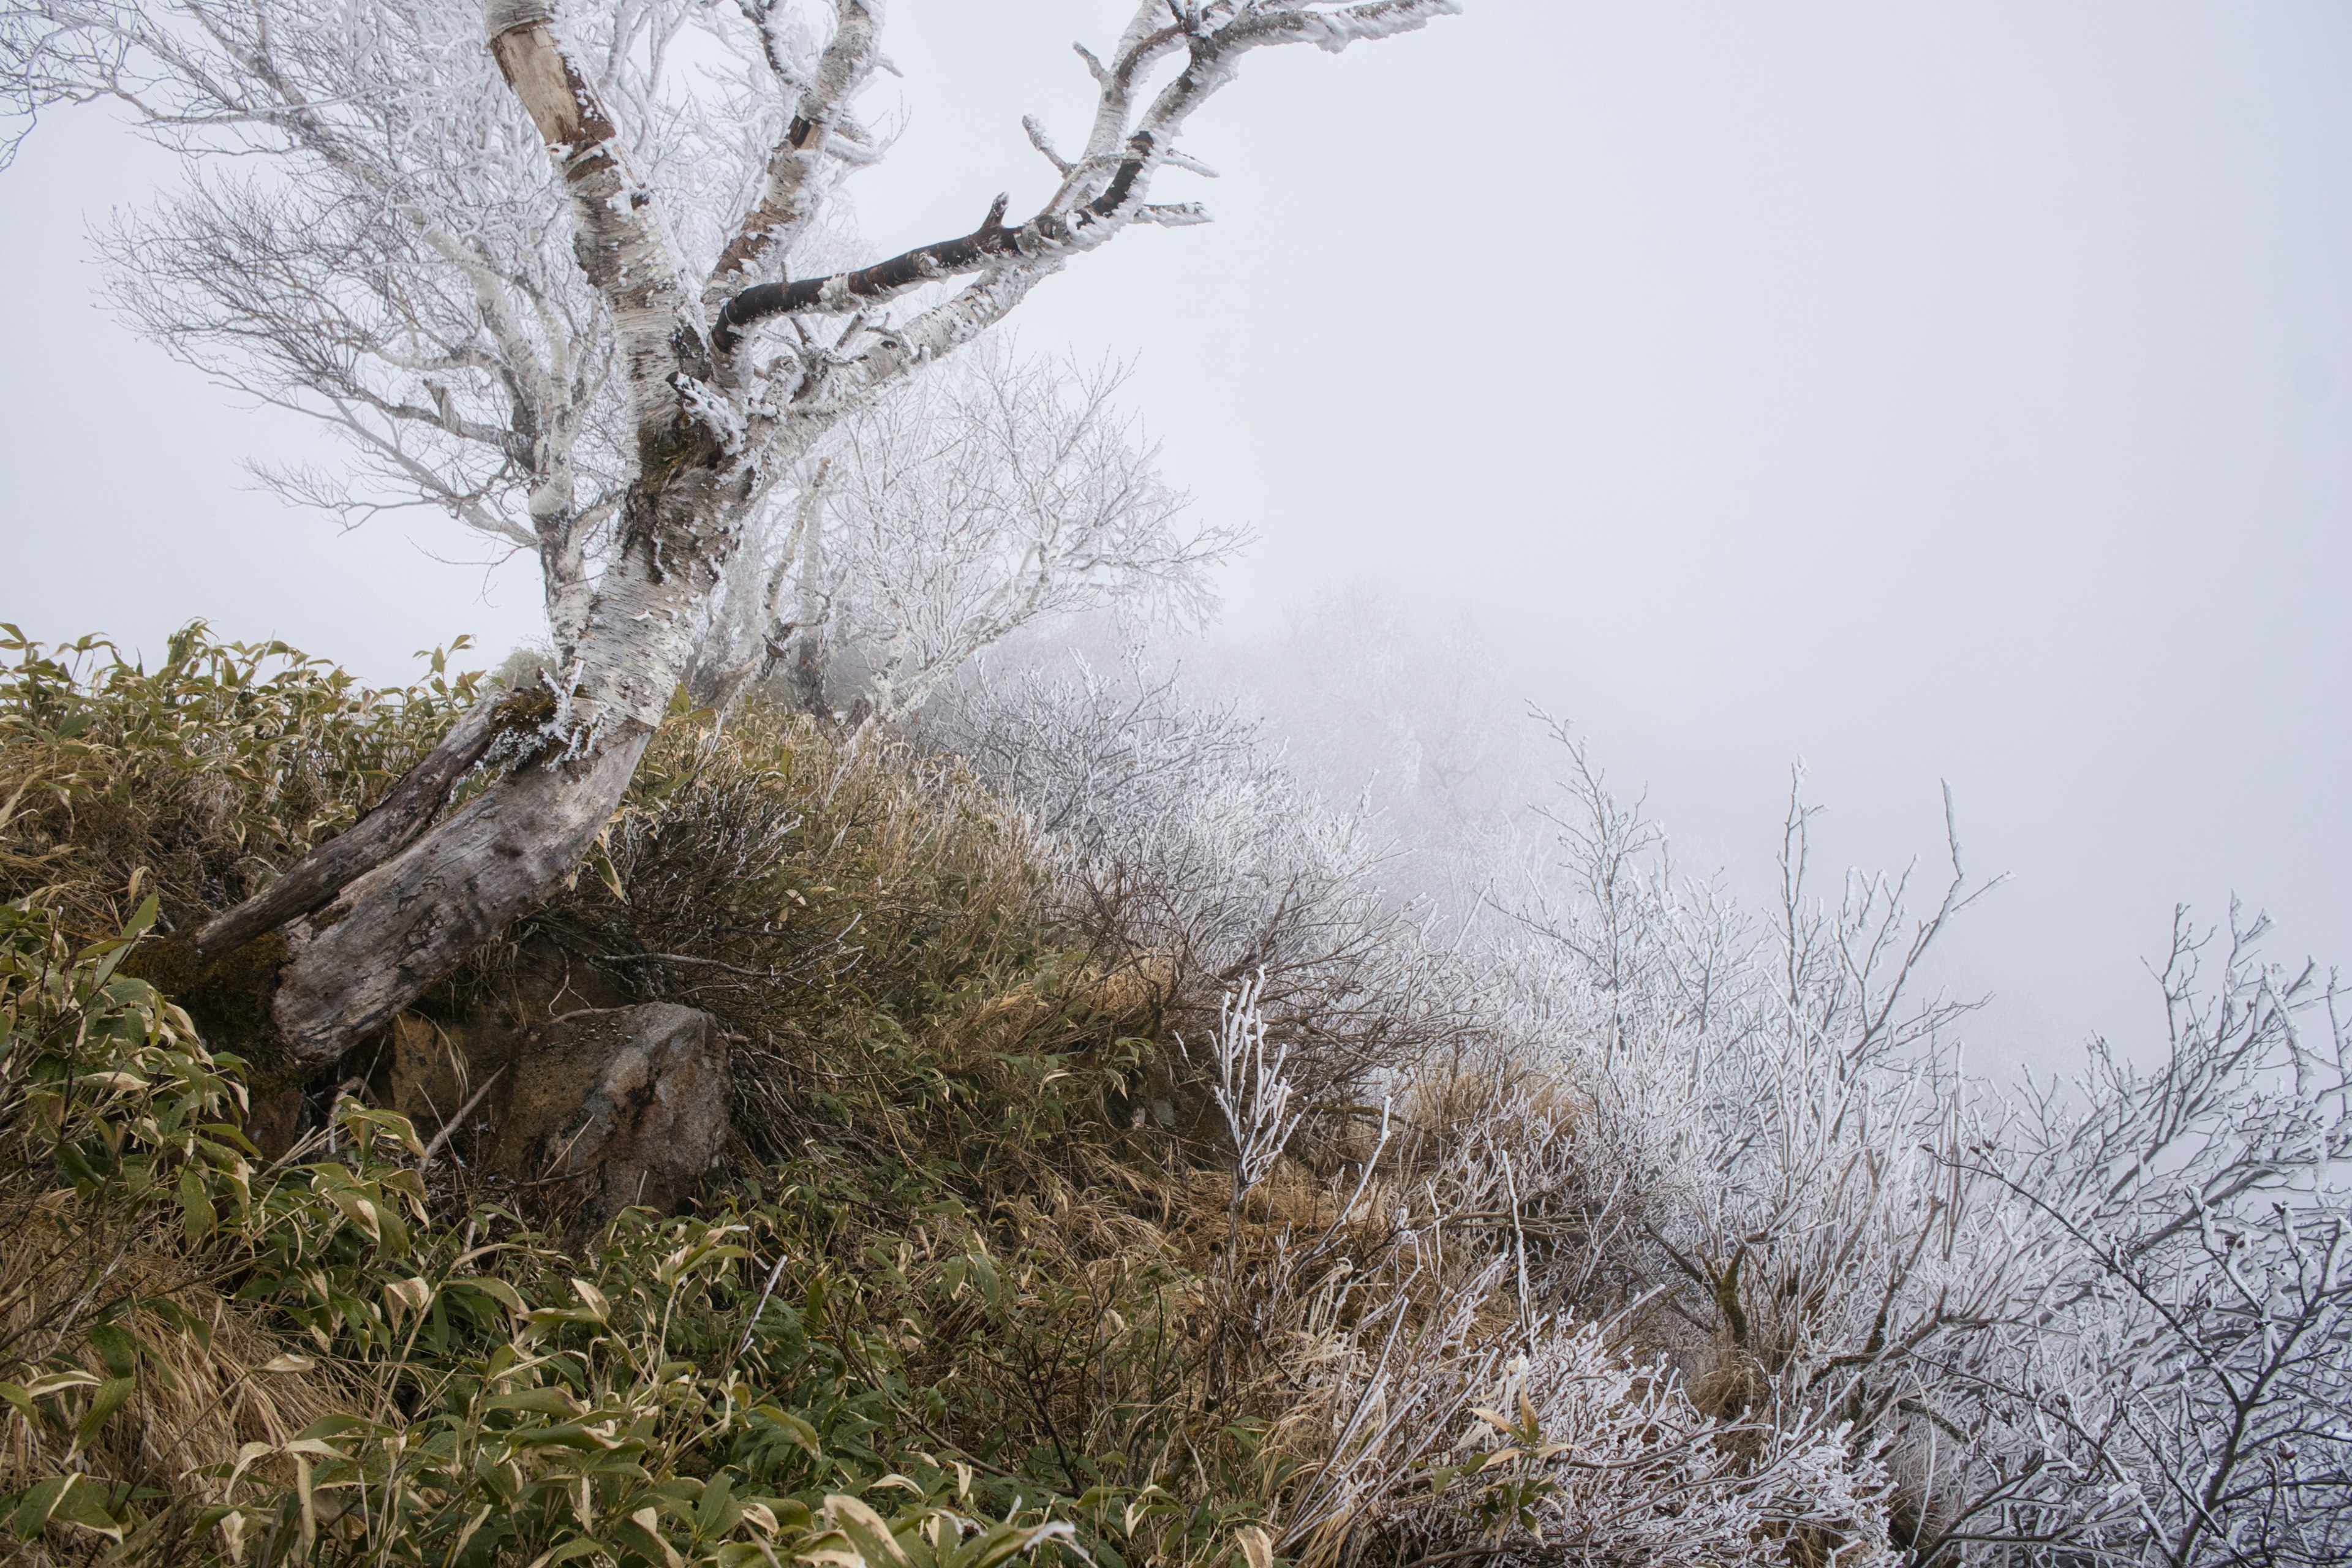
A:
{"points": [[614, 1108]]}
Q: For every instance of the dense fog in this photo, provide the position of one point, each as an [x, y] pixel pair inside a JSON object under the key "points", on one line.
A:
{"points": [[1923, 397], [1572, 732]]}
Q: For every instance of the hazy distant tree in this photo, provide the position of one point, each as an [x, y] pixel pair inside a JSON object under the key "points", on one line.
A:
{"points": [[986, 497], [1182, 833], [588, 311]]}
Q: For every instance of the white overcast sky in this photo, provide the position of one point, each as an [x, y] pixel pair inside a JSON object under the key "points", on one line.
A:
{"points": [[1932, 392]]}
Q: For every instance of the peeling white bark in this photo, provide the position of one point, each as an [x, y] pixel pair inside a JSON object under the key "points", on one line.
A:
{"points": [[796, 168]]}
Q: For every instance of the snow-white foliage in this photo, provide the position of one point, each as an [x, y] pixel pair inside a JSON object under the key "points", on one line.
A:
{"points": [[1636, 1474], [1569, 1452], [2112, 1318], [991, 493], [1182, 832]]}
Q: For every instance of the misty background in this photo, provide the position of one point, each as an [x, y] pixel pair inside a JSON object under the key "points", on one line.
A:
{"points": [[1929, 395]]}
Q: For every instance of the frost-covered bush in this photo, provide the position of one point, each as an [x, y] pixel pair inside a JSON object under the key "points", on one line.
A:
{"points": [[2111, 1317], [2175, 1372], [1183, 837], [1638, 1474]]}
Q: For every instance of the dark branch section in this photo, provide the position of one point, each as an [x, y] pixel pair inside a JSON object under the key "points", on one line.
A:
{"points": [[992, 239], [924, 264], [1122, 181], [943, 258], [388, 828]]}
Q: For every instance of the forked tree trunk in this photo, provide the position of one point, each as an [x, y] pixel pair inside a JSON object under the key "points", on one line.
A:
{"points": [[378, 927]]}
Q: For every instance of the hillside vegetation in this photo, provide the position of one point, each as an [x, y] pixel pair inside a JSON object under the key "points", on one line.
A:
{"points": [[985, 1279], [1093, 1192]]}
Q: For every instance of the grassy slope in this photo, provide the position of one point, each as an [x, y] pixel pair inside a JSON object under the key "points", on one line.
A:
{"points": [[948, 1275], [976, 1283]]}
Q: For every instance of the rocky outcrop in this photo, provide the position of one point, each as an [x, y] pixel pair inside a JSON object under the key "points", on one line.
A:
{"points": [[614, 1108], [600, 1109]]}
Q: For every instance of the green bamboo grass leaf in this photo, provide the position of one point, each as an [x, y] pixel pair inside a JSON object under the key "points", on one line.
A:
{"points": [[199, 1218], [72, 1499], [718, 1511], [549, 1401], [38, 1505], [573, 1550]]}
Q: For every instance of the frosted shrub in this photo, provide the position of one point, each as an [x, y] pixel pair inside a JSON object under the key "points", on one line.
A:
{"points": [[1250, 1091], [2108, 1315], [1633, 1473], [1181, 835]]}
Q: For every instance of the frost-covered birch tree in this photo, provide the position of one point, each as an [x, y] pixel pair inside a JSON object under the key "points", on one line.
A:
{"points": [[936, 524], [576, 278]]}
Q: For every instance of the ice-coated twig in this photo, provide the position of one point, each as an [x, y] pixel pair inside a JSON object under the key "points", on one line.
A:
{"points": [[1254, 1094], [1044, 144]]}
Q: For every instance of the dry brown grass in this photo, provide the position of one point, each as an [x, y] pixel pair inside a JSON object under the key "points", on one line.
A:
{"points": [[877, 933], [211, 1379]]}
